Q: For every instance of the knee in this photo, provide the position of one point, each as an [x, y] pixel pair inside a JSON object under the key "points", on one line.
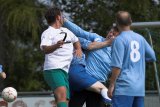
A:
{"points": [[60, 94]]}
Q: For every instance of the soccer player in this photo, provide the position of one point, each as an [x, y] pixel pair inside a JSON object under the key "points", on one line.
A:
{"points": [[129, 52], [57, 43], [78, 74], [2, 74], [97, 64]]}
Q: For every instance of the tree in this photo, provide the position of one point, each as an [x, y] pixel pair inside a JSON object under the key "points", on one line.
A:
{"points": [[21, 27]]}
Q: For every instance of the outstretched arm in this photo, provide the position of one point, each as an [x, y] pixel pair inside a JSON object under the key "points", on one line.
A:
{"points": [[98, 45], [89, 45], [79, 32]]}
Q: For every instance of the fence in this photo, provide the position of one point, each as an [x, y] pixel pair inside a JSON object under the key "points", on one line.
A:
{"points": [[46, 99]]}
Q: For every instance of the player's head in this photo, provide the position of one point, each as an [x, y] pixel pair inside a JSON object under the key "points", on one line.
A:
{"points": [[123, 18], [114, 32], [54, 15]]}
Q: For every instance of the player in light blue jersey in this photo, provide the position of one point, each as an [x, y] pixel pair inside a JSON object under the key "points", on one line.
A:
{"points": [[96, 66], [97, 61], [129, 53]]}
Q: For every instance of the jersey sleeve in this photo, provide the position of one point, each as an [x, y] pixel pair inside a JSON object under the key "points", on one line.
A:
{"points": [[73, 37], [45, 40], [79, 32], [117, 53], [1, 68], [84, 43], [149, 52]]}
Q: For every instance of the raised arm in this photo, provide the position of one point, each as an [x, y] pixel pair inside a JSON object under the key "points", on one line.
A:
{"points": [[79, 32]]}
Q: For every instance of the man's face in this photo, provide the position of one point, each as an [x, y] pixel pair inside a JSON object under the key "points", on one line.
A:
{"points": [[112, 34]]}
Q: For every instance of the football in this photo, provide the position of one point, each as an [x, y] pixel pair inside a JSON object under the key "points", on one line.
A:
{"points": [[9, 94]]}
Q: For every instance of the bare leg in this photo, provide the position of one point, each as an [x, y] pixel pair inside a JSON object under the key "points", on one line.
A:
{"points": [[60, 96], [96, 87]]}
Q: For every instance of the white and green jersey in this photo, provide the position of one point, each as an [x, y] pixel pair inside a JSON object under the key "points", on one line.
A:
{"points": [[61, 57]]}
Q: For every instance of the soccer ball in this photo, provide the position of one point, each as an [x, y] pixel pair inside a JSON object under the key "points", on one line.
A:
{"points": [[9, 94]]}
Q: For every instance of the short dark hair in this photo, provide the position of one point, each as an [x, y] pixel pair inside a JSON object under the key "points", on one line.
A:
{"points": [[51, 15], [115, 28], [123, 21]]}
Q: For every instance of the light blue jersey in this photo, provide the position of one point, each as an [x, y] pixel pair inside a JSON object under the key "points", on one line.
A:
{"points": [[97, 61], [129, 53], [1, 68]]}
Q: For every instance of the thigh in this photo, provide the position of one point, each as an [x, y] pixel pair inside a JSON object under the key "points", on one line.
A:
{"points": [[56, 78], [138, 102], [122, 101], [77, 99], [94, 100], [79, 79]]}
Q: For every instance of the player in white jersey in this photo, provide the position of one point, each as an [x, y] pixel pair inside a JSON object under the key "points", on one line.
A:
{"points": [[58, 43]]}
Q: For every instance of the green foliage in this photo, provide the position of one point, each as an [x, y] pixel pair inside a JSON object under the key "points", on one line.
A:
{"points": [[22, 25], [22, 16]]}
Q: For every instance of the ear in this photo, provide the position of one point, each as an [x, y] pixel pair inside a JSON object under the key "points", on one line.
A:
{"points": [[131, 21], [58, 17]]}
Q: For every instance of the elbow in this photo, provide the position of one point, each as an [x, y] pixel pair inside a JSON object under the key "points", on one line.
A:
{"points": [[45, 51], [153, 59]]}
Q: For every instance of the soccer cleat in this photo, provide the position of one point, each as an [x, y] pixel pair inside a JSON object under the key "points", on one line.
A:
{"points": [[107, 101], [105, 97]]}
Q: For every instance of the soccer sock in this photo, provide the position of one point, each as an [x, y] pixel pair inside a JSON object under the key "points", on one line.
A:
{"points": [[104, 93], [62, 104]]}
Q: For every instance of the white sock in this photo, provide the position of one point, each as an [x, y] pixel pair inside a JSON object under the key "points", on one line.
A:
{"points": [[104, 93]]}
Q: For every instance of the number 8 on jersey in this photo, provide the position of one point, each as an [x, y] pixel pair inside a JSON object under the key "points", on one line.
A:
{"points": [[135, 54]]}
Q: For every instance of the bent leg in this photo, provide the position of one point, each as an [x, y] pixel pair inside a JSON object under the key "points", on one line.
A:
{"points": [[96, 87]]}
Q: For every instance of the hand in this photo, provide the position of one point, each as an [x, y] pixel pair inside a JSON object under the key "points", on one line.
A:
{"points": [[60, 43], [78, 53], [3, 75], [110, 40], [64, 19], [110, 90]]}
